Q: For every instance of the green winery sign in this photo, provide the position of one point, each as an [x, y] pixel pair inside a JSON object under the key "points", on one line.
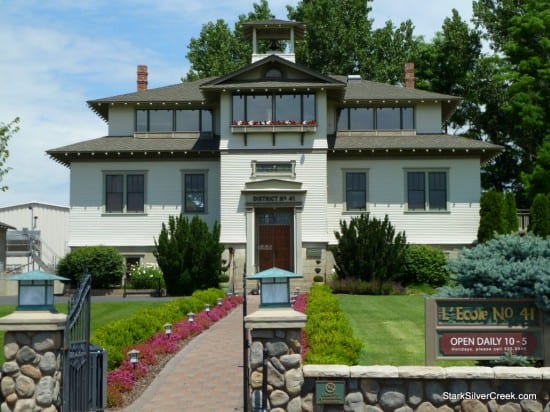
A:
{"points": [[330, 392], [484, 329]]}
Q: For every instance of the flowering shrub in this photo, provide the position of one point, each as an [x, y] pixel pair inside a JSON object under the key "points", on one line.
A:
{"points": [[123, 378], [146, 277], [274, 123]]}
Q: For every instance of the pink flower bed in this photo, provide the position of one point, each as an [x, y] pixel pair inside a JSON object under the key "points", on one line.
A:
{"points": [[123, 378], [300, 305]]}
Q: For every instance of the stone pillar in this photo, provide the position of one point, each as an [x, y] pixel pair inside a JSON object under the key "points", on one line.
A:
{"points": [[278, 330], [31, 374]]}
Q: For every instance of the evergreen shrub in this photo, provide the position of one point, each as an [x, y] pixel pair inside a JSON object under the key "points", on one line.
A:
{"points": [[189, 255], [539, 215], [329, 335], [369, 249], [491, 221], [508, 266], [425, 265], [104, 263], [510, 214]]}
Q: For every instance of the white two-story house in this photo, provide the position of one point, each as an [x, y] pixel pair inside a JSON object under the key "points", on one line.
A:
{"points": [[277, 153]]}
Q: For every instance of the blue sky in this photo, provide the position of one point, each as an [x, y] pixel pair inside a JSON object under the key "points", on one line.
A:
{"points": [[57, 54]]}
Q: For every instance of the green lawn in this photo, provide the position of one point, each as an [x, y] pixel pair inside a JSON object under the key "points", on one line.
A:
{"points": [[102, 313], [391, 329]]}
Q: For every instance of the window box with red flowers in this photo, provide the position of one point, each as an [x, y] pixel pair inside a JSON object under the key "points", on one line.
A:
{"points": [[274, 126]]}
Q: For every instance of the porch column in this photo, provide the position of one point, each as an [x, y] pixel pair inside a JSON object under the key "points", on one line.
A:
{"points": [[250, 241]]}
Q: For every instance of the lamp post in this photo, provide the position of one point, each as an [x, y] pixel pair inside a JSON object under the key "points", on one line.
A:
{"points": [[35, 290], [207, 309], [191, 317], [133, 355], [168, 329], [275, 287]]}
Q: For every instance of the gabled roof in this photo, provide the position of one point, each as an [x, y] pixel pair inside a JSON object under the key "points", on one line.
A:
{"points": [[308, 78]]}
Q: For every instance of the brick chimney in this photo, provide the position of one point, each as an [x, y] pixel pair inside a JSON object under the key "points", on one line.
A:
{"points": [[409, 75], [141, 78]]}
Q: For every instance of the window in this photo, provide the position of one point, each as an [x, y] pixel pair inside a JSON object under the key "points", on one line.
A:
{"points": [[356, 191], [277, 107], [184, 120], [426, 190], [273, 168], [194, 192], [124, 192], [379, 118]]}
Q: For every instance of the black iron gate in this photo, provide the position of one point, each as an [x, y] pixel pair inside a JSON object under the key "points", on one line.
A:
{"points": [[76, 347]]}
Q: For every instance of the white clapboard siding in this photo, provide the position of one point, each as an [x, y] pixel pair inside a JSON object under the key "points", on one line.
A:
{"points": [[386, 195], [164, 196], [236, 171]]}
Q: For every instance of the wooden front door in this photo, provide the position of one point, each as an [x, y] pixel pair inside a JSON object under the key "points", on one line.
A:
{"points": [[274, 247]]}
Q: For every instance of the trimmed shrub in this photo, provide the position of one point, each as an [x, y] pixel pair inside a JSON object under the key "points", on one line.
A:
{"points": [[491, 216], [369, 249], [104, 263], [539, 216], [510, 214], [328, 333], [509, 266], [425, 265]]}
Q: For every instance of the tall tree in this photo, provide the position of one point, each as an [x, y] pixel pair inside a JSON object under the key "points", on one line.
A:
{"points": [[6, 132], [219, 50], [389, 48], [447, 64], [520, 32], [337, 34]]}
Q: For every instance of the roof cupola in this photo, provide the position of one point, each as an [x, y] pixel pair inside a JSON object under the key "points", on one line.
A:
{"points": [[273, 37]]}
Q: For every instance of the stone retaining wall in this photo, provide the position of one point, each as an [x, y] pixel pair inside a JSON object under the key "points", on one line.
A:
{"points": [[31, 374], [427, 389], [291, 387]]}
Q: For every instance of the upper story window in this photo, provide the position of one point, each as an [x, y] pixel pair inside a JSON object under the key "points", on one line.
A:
{"points": [[124, 192], [274, 107], [376, 118], [174, 120]]}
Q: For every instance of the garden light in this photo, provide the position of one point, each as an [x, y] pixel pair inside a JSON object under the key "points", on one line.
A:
{"points": [[220, 300], [191, 317], [168, 329]]}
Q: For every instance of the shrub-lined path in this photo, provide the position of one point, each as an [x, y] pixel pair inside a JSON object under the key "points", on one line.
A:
{"points": [[206, 375]]}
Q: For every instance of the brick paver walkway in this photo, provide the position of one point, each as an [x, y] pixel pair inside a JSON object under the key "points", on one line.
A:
{"points": [[206, 375]]}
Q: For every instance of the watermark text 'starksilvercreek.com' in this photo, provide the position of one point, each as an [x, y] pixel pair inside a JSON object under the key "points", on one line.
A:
{"points": [[509, 396]]}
